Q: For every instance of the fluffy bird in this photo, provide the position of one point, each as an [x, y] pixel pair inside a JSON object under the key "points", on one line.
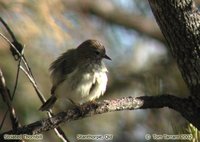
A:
{"points": [[78, 75]]}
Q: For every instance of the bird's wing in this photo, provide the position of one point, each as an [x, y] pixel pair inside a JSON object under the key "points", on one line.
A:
{"points": [[61, 67]]}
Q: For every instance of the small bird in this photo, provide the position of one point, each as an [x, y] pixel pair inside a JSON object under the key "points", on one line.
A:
{"points": [[78, 75]]}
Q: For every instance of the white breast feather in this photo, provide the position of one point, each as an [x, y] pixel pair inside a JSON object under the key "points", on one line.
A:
{"points": [[81, 93], [100, 81]]}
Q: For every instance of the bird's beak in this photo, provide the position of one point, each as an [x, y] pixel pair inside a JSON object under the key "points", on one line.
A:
{"points": [[107, 57]]}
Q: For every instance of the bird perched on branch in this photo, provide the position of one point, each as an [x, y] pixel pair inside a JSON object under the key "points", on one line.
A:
{"points": [[78, 75]]}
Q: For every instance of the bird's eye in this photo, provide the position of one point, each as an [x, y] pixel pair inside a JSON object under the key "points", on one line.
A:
{"points": [[97, 52]]}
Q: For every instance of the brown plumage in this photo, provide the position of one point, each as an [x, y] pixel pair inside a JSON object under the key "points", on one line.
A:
{"points": [[78, 74]]}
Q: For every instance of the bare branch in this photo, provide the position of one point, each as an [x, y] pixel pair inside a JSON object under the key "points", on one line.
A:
{"points": [[42, 99], [16, 49], [7, 99], [4, 118], [179, 22], [181, 105]]}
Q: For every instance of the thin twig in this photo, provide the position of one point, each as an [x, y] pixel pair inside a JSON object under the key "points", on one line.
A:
{"points": [[4, 91], [16, 80], [8, 29], [4, 118], [42, 99], [14, 90], [29, 74], [13, 46], [28, 68], [59, 132]]}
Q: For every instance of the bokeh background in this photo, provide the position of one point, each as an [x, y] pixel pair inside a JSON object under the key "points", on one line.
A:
{"points": [[141, 62]]}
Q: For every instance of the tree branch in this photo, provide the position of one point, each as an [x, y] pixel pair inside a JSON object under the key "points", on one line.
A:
{"points": [[7, 99], [179, 22], [17, 52], [126, 103]]}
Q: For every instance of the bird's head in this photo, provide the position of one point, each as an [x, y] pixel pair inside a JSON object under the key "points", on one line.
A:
{"points": [[92, 50]]}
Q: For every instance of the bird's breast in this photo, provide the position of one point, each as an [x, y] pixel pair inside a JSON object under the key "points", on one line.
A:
{"points": [[83, 85]]}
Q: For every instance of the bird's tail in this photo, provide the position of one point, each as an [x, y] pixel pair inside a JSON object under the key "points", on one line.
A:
{"points": [[48, 104]]}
